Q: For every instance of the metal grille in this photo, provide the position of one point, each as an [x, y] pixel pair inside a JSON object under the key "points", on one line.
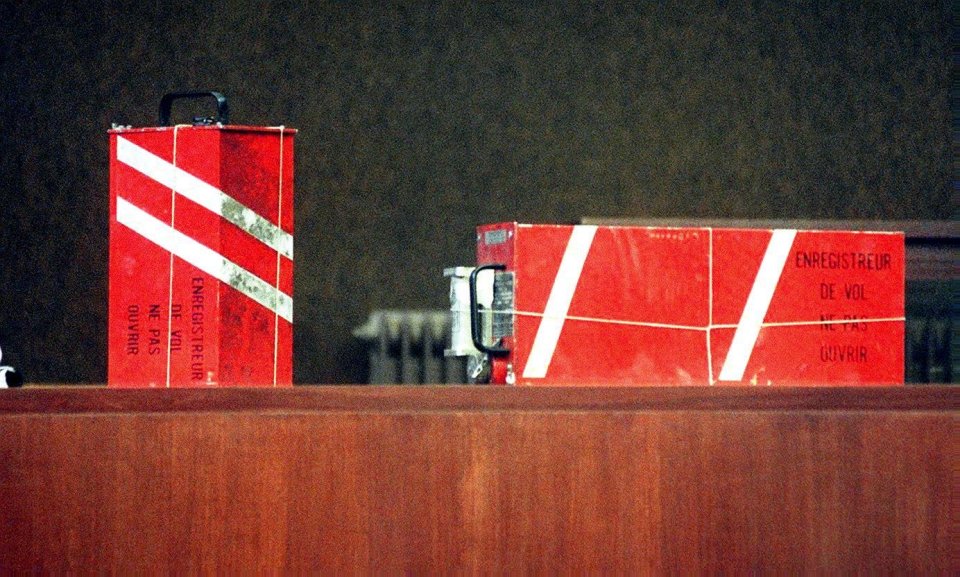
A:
{"points": [[406, 347], [932, 348]]}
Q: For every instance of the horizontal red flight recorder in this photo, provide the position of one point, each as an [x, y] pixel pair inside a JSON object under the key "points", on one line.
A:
{"points": [[615, 305]]}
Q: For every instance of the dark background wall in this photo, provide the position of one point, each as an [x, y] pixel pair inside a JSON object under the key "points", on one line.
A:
{"points": [[421, 120]]}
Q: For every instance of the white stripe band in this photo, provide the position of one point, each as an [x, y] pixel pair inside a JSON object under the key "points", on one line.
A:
{"points": [[206, 195], [558, 303], [748, 329], [204, 258]]}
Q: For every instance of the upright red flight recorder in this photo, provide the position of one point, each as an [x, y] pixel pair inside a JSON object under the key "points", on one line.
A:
{"points": [[614, 305], [201, 253]]}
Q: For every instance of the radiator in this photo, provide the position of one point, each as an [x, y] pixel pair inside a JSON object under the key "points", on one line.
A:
{"points": [[406, 347], [928, 350]]}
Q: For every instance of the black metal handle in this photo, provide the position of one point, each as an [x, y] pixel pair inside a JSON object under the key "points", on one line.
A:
{"points": [[223, 111], [475, 312]]}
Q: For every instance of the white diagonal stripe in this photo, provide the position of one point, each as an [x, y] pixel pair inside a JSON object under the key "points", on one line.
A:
{"points": [[558, 303], [204, 258], [206, 195], [745, 337]]}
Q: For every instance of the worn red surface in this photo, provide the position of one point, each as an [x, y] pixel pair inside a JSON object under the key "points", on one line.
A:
{"points": [[172, 323], [675, 306]]}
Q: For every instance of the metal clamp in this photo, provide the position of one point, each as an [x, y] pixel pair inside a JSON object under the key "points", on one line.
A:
{"points": [[475, 312]]}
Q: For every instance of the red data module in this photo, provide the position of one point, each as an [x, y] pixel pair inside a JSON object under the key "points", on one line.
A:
{"points": [[613, 305], [201, 255]]}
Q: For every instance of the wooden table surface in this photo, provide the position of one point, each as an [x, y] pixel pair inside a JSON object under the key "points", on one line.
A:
{"points": [[479, 479]]}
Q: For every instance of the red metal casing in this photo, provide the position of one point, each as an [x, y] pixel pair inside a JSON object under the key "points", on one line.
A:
{"points": [[614, 305], [201, 257]]}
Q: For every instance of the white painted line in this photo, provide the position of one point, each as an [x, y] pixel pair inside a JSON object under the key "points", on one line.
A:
{"points": [[204, 258], [558, 303], [748, 329], [204, 194]]}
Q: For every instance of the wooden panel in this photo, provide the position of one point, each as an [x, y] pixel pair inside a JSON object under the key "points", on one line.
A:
{"points": [[478, 479]]}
